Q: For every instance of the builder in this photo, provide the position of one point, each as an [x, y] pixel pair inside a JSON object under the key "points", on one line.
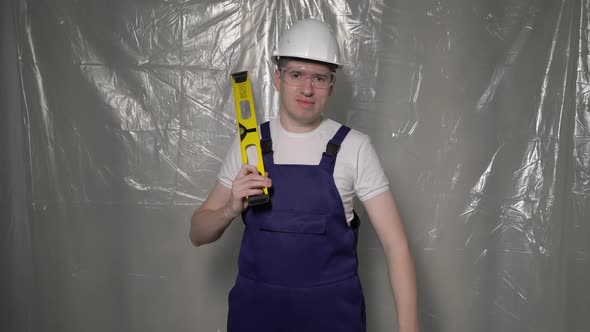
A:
{"points": [[298, 261]]}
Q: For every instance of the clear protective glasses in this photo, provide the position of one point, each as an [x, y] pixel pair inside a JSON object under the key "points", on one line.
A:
{"points": [[296, 76]]}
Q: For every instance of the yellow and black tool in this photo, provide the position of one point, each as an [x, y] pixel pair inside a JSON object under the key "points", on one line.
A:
{"points": [[248, 127]]}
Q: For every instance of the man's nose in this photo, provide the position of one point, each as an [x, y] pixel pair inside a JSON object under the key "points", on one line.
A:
{"points": [[307, 87]]}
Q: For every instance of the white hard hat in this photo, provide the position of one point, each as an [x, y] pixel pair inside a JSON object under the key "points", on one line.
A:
{"points": [[308, 39]]}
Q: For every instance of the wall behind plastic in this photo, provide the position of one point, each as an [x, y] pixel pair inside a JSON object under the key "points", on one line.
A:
{"points": [[478, 110]]}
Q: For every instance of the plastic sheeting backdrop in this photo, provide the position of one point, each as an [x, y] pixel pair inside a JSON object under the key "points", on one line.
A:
{"points": [[478, 110]]}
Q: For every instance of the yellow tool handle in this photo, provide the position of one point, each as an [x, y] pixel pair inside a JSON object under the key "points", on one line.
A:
{"points": [[248, 127]]}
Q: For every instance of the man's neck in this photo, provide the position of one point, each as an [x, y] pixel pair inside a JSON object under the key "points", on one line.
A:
{"points": [[296, 127]]}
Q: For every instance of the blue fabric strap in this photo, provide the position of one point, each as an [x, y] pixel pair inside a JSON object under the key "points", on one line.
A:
{"points": [[266, 143], [333, 147]]}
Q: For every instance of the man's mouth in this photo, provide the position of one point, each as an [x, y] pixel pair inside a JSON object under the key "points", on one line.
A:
{"points": [[305, 102]]}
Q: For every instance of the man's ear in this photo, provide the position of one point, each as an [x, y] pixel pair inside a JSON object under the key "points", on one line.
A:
{"points": [[277, 79], [332, 87]]}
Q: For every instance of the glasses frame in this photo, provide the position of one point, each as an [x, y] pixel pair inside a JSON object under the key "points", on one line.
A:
{"points": [[282, 73]]}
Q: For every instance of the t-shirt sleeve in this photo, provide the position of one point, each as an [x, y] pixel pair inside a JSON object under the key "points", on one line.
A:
{"points": [[370, 179], [231, 164]]}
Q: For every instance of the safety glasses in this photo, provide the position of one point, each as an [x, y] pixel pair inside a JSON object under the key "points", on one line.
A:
{"points": [[297, 76]]}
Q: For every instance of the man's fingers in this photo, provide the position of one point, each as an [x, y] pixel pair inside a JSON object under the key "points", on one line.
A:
{"points": [[251, 169], [249, 182], [250, 178], [249, 192], [240, 186], [247, 169], [253, 192]]}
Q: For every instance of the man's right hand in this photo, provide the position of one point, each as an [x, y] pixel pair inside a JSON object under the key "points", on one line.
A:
{"points": [[248, 182]]}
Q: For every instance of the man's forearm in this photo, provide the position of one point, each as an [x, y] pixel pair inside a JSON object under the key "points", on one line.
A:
{"points": [[402, 276], [208, 225], [388, 225]]}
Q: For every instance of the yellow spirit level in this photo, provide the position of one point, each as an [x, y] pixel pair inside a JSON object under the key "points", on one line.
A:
{"points": [[248, 127]]}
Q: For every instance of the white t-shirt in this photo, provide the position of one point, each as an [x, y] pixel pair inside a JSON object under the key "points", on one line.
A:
{"points": [[357, 170]]}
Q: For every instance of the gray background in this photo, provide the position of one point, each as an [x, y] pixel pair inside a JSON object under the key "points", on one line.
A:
{"points": [[116, 116]]}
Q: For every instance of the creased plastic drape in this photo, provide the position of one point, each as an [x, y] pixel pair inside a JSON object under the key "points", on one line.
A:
{"points": [[478, 110]]}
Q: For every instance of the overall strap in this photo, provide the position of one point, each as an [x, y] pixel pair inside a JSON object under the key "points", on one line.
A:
{"points": [[333, 147], [266, 143]]}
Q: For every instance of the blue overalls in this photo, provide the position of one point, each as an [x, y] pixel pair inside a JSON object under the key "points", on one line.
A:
{"points": [[298, 260]]}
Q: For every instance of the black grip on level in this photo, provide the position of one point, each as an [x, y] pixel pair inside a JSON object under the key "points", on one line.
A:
{"points": [[240, 77], [258, 199]]}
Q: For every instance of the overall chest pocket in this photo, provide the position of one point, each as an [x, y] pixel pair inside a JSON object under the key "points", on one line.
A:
{"points": [[294, 222]]}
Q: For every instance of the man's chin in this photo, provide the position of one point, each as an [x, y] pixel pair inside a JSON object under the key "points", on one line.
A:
{"points": [[309, 116], [310, 120], [305, 117]]}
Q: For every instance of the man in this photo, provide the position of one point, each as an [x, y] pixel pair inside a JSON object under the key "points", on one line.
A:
{"points": [[298, 261]]}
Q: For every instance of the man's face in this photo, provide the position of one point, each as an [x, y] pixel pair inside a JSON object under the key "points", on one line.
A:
{"points": [[302, 98]]}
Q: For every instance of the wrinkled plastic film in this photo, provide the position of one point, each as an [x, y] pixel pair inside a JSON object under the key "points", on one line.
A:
{"points": [[478, 111]]}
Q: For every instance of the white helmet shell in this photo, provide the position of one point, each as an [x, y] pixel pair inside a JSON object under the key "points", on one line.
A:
{"points": [[309, 39]]}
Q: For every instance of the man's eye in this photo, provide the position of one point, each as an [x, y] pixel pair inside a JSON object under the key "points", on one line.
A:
{"points": [[321, 78], [294, 75]]}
